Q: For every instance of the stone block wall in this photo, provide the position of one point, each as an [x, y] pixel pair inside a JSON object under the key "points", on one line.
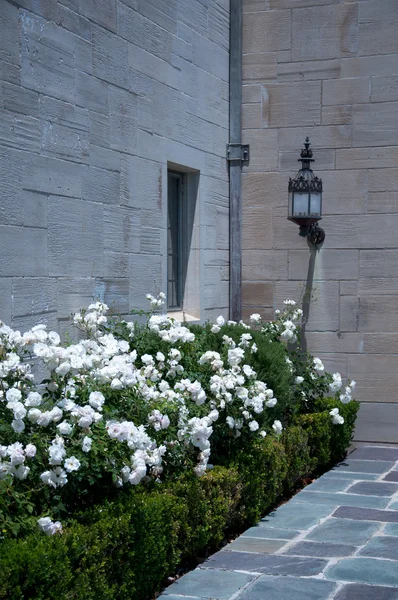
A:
{"points": [[96, 97], [329, 70]]}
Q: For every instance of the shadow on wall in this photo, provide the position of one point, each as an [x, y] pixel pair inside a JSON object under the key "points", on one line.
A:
{"points": [[307, 297]]}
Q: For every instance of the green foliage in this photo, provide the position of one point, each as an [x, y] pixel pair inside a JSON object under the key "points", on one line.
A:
{"points": [[340, 436], [263, 468], [299, 461], [124, 548], [318, 428]]}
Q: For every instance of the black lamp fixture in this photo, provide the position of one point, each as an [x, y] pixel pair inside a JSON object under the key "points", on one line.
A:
{"points": [[305, 199]]}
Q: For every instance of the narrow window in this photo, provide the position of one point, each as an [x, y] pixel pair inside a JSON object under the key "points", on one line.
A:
{"points": [[175, 240]]}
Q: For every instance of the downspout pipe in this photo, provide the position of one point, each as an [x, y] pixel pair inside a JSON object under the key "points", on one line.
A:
{"points": [[235, 166]]}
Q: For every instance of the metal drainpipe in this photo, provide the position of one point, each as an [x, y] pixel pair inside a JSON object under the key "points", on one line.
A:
{"points": [[235, 166]]}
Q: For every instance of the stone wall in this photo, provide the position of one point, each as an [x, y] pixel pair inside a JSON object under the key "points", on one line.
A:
{"points": [[96, 97], [329, 70]]}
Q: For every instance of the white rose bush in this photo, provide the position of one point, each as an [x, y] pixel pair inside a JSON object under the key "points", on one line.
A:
{"points": [[139, 404]]}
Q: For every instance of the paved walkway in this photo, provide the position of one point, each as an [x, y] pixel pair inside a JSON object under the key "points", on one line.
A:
{"points": [[337, 538]]}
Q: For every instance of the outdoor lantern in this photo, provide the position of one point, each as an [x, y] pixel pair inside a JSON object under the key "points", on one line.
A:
{"points": [[305, 199]]}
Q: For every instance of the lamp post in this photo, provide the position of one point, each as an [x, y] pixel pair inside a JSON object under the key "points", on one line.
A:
{"points": [[305, 199]]}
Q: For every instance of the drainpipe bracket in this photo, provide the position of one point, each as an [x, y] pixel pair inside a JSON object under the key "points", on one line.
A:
{"points": [[238, 153]]}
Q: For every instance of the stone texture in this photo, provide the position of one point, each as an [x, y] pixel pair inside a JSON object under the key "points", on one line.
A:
{"points": [[110, 57], [259, 66], [336, 531], [263, 563], [378, 65], [337, 264], [64, 129], [340, 498], [266, 31], [264, 265], [269, 533], [373, 489], [257, 228], [325, 32], [5, 300], [263, 149], [377, 27], [47, 62], [366, 514], [375, 124], [11, 204], [346, 91], [366, 592], [366, 570], [327, 136], [391, 529], [364, 466], [340, 114], [384, 88], [260, 546], [219, 585], [320, 550], [375, 422], [257, 294], [381, 547], [291, 104], [23, 251], [274, 588], [308, 70], [374, 453], [366, 158], [52, 176], [75, 237], [289, 517]]}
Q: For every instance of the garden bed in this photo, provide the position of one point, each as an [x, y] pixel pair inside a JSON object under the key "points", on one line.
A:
{"points": [[110, 457]]}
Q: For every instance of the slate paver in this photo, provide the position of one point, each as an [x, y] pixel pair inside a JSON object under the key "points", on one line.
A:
{"points": [[381, 547], [365, 466], [366, 514], [340, 474], [373, 488], [270, 564], [337, 531], [324, 484], [282, 588], [391, 529], [174, 597], [320, 549], [374, 453], [340, 499], [217, 585], [289, 517], [270, 533], [359, 591], [365, 570], [337, 538], [262, 546]]}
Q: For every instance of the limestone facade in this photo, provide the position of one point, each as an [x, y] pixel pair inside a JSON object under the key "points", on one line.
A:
{"points": [[329, 70], [97, 97]]}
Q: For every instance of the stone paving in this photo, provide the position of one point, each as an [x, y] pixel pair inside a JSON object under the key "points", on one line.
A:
{"points": [[336, 539]]}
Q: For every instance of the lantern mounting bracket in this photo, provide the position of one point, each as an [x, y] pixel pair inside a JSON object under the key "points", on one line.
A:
{"points": [[238, 153], [315, 235]]}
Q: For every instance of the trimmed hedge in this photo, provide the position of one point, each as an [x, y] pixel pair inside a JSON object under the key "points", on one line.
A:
{"points": [[126, 549]]}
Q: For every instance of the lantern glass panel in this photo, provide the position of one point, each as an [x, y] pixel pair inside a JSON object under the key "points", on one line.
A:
{"points": [[290, 206], [315, 204], [300, 204]]}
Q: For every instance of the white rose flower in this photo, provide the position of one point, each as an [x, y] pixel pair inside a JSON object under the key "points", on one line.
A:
{"points": [[96, 400], [72, 464], [277, 427]]}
